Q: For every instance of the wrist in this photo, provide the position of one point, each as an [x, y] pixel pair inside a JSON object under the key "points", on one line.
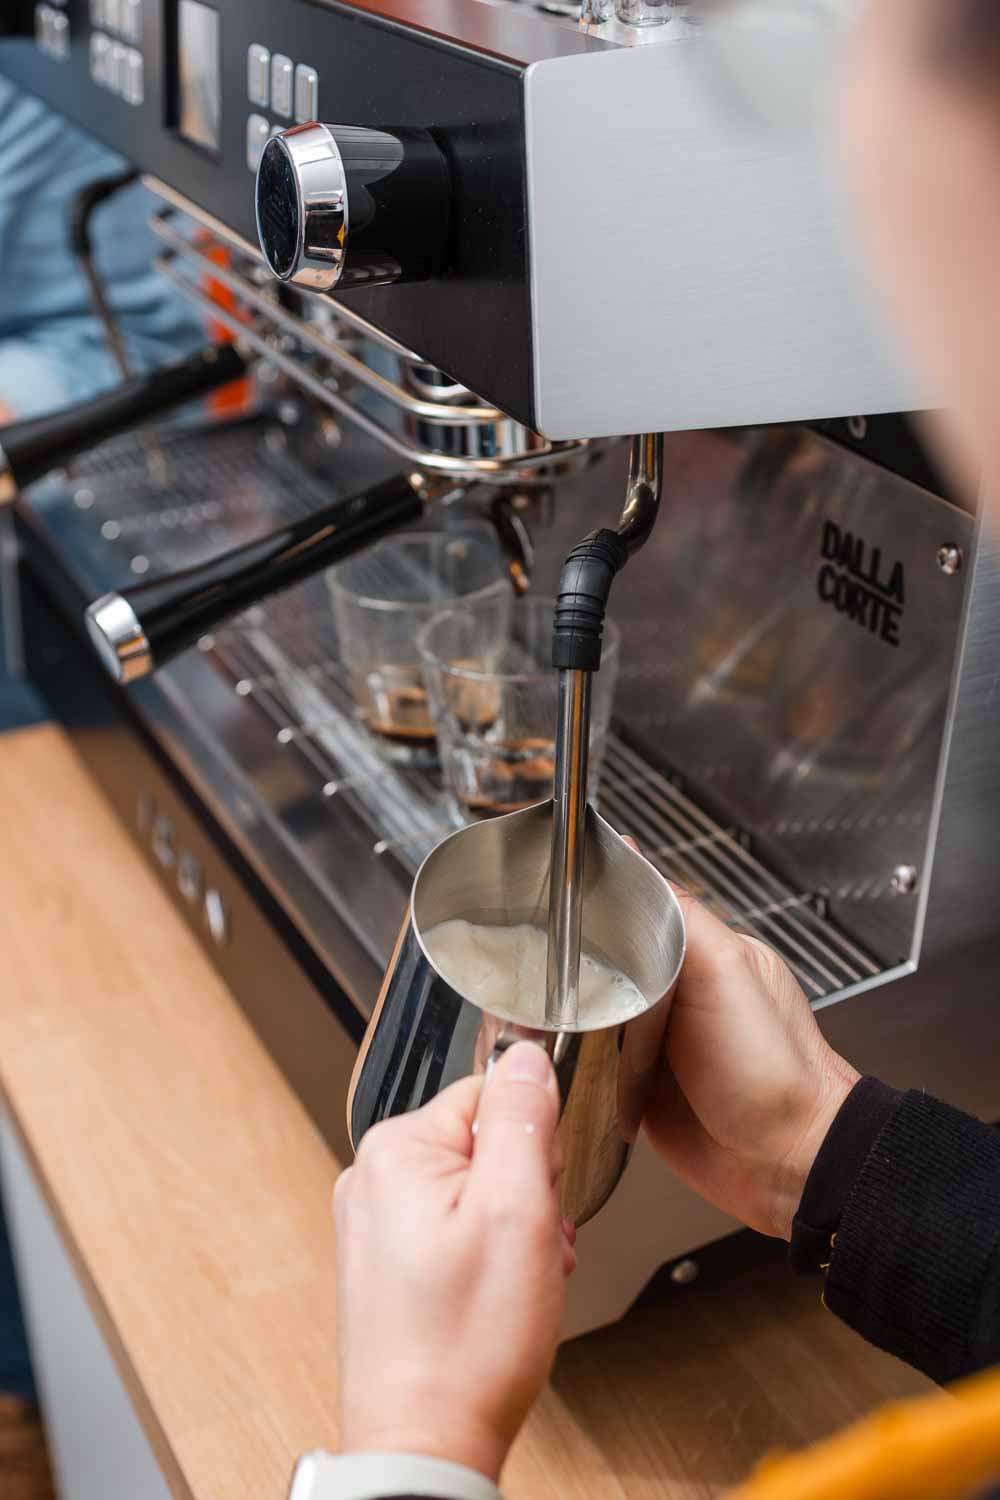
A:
{"points": [[458, 1440], [792, 1172]]}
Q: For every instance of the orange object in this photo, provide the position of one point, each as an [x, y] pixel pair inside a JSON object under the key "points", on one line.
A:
{"points": [[940, 1447], [232, 399]]}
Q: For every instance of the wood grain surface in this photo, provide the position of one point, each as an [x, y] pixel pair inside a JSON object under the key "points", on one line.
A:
{"points": [[193, 1195]]}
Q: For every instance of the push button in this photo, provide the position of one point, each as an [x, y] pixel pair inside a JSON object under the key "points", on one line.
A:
{"points": [[189, 877], [135, 84], [306, 94], [216, 916], [118, 80], [281, 84], [100, 59], [163, 842], [131, 19], [258, 132], [259, 75], [60, 36]]}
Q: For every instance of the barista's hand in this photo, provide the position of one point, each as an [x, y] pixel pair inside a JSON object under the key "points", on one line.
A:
{"points": [[748, 1087], [451, 1264]]}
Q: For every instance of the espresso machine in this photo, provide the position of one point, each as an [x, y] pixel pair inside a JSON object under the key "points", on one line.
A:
{"points": [[469, 249]]}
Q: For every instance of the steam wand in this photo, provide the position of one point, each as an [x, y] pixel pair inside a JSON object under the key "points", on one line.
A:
{"points": [[584, 587]]}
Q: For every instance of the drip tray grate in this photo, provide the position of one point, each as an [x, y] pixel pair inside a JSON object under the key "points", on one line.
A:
{"points": [[127, 513], [308, 700]]}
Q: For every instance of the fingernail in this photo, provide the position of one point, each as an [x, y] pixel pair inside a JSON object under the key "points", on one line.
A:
{"points": [[569, 1230], [528, 1063]]}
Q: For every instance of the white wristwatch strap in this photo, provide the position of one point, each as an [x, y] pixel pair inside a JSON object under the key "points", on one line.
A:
{"points": [[379, 1476]]}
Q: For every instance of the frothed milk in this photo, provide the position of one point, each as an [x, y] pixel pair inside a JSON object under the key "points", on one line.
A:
{"points": [[502, 969]]}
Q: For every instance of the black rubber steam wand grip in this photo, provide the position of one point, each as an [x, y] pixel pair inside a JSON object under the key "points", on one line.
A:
{"points": [[31, 449], [143, 628]]}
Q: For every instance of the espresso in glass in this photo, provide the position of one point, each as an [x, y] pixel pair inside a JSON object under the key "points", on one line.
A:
{"points": [[494, 698], [381, 600]]}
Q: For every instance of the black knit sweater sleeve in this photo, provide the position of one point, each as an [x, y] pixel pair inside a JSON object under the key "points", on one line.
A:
{"points": [[914, 1264]]}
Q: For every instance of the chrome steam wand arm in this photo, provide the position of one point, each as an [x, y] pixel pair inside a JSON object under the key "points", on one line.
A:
{"points": [[584, 588]]}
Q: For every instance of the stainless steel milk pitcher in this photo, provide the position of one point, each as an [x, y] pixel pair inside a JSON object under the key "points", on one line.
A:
{"points": [[424, 1034]]}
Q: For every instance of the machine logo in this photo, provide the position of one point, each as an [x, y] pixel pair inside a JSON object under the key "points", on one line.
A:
{"points": [[854, 580]]}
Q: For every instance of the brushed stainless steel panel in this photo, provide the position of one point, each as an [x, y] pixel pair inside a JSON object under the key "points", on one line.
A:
{"points": [[963, 898], [687, 270], [792, 652]]}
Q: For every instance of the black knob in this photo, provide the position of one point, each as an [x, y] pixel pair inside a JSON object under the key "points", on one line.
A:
{"points": [[341, 206]]}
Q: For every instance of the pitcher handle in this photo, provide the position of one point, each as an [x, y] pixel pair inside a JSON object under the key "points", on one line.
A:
{"points": [[549, 1041]]}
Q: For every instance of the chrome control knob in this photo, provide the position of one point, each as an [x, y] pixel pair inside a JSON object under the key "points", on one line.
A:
{"points": [[341, 206]]}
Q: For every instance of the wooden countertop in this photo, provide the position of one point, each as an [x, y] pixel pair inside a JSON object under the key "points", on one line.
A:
{"points": [[193, 1194]]}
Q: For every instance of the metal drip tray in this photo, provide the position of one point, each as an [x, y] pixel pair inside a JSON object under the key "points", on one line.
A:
{"points": [[263, 713], [308, 703]]}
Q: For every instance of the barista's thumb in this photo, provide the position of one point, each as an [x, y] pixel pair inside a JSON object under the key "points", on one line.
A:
{"points": [[513, 1162]]}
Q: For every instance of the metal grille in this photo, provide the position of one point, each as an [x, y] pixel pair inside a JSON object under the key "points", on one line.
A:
{"points": [[281, 660], [309, 703]]}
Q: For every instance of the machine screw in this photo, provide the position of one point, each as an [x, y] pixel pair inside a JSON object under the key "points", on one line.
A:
{"points": [[904, 880], [858, 428], [685, 1272], [950, 559]]}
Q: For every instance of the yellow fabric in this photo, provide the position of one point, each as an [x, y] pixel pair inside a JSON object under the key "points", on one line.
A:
{"points": [[940, 1447]]}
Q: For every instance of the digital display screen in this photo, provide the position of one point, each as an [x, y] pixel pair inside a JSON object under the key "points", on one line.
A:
{"points": [[199, 62]]}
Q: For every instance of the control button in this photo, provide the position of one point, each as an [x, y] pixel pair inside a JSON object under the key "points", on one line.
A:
{"points": [[306, 94], [216, 916], [189, 877], [131, 19], [281, 84], [98, 14], [100, 58], [60, 36], [43, 27], [118, 70], [259, 75], [144, 809], [134, 88], [342, 205], [163, 841], [113, 15], [258, 131]]}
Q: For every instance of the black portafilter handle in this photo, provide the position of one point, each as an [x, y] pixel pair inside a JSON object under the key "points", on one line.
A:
{"points": [[31, 449], [142, 628]]}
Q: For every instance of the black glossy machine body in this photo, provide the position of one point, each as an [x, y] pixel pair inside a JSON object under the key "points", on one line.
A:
{"points": [[547, 213], [375, 67]]}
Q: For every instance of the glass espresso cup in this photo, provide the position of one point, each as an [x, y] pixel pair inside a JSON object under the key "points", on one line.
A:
{"points": [[383, 597], [494, 697]]}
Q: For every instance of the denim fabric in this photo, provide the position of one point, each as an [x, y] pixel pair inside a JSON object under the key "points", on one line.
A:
{"points": [[51, 345]]}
